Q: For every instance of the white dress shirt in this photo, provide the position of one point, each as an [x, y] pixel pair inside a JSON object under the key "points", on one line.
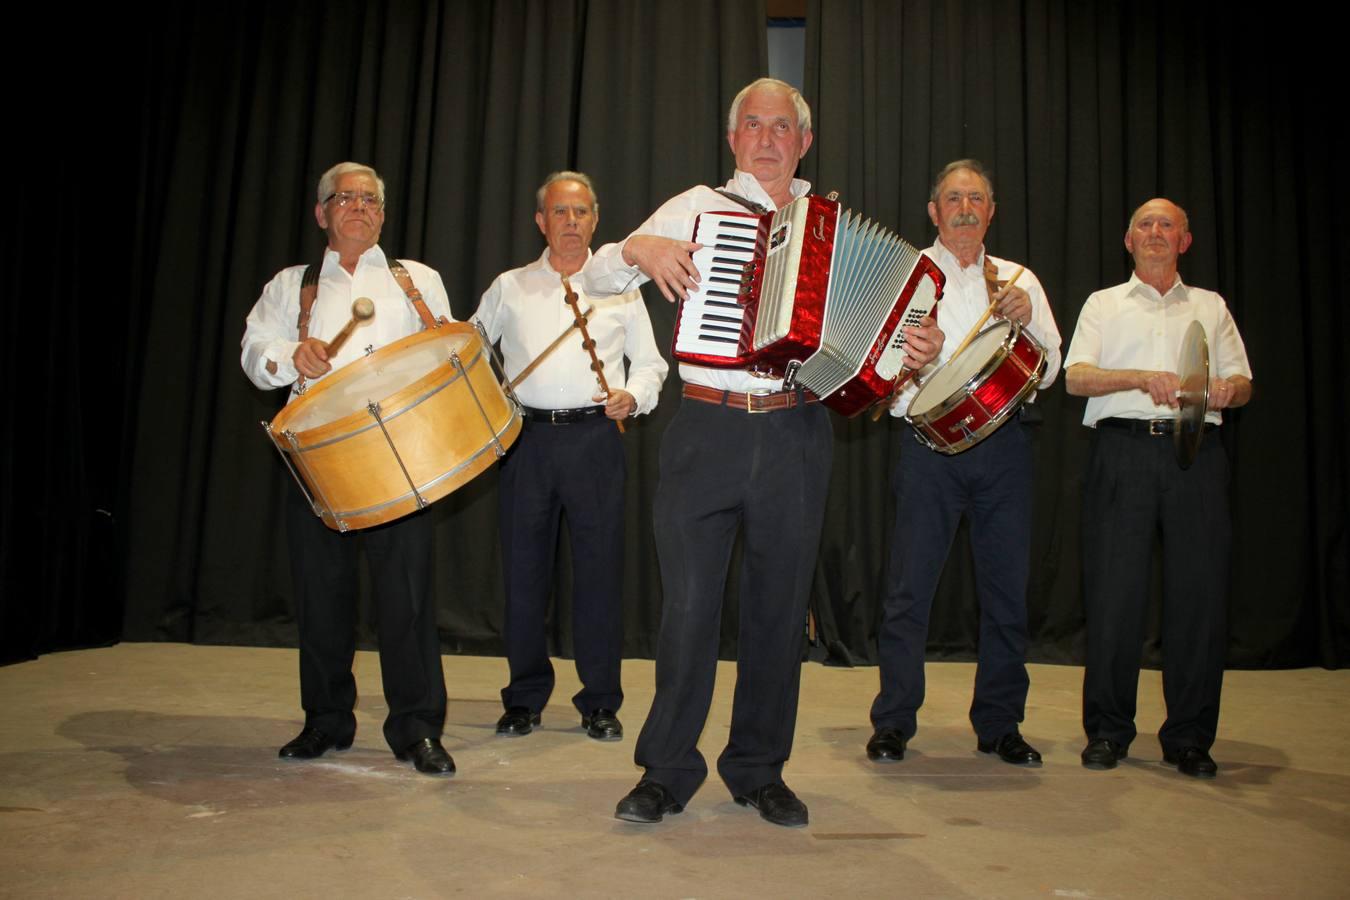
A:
{"points": [[526, 310], [607, 273], [271, 334], [1132, 326], [964, 300]]}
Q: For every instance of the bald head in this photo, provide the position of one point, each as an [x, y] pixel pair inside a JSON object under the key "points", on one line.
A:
{"points": [[1159, 232]]}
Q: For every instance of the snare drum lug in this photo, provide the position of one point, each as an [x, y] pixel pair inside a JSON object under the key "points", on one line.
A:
{"points": [[964, 427], [370, 348]]}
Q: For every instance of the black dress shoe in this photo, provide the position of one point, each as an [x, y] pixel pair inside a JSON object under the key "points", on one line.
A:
{"points": [[517, 721], [1192, 761], [311, 743], [647, 804], [429, 757], [777, 804], [887, 745], [1101, 753], [603, 725], [1012, 749]]}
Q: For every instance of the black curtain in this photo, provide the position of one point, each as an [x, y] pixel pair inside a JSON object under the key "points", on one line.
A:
{"points": [[167, 172], [463, 108], [1084, 111]]}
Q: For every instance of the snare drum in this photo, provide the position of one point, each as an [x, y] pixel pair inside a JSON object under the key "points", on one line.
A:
{"points": [[398, 429], [972, 394]]}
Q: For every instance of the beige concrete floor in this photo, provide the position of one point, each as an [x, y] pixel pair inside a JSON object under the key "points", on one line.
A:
{"points": [[150, 770]]}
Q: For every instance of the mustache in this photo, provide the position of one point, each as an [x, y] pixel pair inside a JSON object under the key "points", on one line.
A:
{"points": [[961, 219]]}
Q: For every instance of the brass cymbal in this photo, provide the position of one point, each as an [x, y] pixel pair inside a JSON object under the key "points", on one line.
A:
{"points": [[1193, 398]]}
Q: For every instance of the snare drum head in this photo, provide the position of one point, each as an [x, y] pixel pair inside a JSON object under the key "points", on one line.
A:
{"points": [[374, 378], [958, 370]]}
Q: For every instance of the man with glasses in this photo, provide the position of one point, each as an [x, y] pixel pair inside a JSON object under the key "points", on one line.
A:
{"points": [[285, 345]]}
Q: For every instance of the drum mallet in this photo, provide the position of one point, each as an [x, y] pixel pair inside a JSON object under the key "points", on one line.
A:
{"points": [[363, 308]]}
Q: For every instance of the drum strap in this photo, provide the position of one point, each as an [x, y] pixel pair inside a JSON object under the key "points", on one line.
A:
{"points": [[405, 281], [309, 291], [748, 204], [991, 283]]}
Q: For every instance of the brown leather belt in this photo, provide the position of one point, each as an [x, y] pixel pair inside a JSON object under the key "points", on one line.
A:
{"points": [[767, 401]]}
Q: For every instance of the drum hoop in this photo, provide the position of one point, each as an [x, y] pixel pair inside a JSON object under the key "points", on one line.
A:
{"points": [[339, 515], [959, 395]]}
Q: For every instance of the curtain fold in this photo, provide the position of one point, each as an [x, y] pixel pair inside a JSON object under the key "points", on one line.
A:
{"points": [[139, 498], [1083, 111], [463, 108]]}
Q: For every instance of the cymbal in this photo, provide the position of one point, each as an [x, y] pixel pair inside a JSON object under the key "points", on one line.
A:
{"points": [[1193, 398]]}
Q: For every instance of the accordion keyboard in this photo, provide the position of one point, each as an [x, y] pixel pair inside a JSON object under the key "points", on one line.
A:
{"points": [[710, 318]]}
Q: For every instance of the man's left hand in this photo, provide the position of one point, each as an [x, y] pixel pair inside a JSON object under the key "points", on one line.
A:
{"points": [[1015, 306], [923, 344], [620, 404]]}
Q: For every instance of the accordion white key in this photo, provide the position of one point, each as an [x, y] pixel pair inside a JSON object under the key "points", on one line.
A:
{"points": [[808, 293]]}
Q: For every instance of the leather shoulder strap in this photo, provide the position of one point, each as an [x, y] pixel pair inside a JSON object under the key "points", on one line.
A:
{"points": [[743, 201], [309, 292], [405, 281]]}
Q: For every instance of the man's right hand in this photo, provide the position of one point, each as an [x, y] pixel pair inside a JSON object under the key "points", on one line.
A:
{"points": [[667, 262], [311, 358], [1163, 387]]}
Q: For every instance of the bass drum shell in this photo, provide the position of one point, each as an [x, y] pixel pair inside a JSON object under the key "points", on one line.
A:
{"points": [[439, 426]]}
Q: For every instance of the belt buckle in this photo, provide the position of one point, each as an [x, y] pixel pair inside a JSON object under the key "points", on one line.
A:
{"points": [[757, 392], [1158, 427], [553, 416]]}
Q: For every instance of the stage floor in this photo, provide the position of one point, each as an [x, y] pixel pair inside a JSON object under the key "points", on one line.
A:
{"points": [[150, 770]]}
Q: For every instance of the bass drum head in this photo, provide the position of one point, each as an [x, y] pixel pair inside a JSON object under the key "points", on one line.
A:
{"points": [[374, 378], [956, 372]]}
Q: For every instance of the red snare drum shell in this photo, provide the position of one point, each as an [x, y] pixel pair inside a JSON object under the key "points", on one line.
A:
{"points": [[1006, 367]]}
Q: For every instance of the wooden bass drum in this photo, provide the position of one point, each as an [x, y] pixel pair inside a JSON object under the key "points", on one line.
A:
{"points": [[398, 429]]}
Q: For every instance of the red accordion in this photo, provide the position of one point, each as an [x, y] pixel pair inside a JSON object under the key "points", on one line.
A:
{"points": [[809, 294]]}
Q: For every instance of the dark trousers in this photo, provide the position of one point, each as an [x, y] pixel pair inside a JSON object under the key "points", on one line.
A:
{"points": [[991, 485], [577, 470], [324, 568], [1134, 490], [766, 475]]}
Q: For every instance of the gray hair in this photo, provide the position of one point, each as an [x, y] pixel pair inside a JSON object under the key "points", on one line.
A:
{"points": [[973, 165], [328, 179], [567, 175], [798, 102], [1185, 219]]}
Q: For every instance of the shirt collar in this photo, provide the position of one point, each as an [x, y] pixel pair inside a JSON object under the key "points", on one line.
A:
{"points": [[748, 186], [542, 262], [372, 257], [941, 255], [1137, 285]]}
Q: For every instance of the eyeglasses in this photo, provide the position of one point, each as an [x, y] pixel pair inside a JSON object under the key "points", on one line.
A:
{"points": [[346, 198]]}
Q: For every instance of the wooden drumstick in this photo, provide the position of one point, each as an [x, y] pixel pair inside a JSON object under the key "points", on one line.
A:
{"points": [[363, 308], [993, 301], [557, 342], [587, 344]]}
